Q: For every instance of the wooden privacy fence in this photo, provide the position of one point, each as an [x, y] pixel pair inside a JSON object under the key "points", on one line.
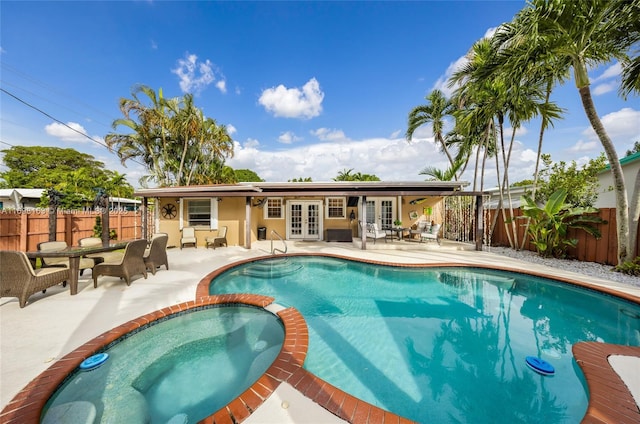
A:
{"points": [[24, 229], [589, 249]]}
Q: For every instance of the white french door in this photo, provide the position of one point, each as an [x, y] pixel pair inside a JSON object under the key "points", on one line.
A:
{"points": [[381, 211], [303, 220]]}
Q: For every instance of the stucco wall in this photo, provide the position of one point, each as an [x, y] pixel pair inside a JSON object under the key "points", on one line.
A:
{"points": [[607, 197]]}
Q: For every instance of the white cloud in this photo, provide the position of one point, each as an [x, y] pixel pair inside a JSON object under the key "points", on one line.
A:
{"points": [[293, 102], [196, 75], [583, 146], [231, 129], [72, 131], [326, 134], [222, 86], [397, 134], [251, 143], [622, 127], [389, 159], [441, 83], [612, 71], [288, 137], [604, 88]]}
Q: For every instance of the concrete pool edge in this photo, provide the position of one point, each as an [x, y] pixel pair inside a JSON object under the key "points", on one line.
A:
{"points": [[28, 404], [602, 405]]}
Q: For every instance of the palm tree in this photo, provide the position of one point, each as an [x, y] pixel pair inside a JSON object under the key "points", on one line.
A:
{"points": [[173, 138], [116, 184], [344, 175], [434, 112], [530, 74], [580, 34], [148, 139], [448, 174]]}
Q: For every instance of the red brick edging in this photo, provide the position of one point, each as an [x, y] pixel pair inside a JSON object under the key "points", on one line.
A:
{"points": [[609, 399], [27, 405]]}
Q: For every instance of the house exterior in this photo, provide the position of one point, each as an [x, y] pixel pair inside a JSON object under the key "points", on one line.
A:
{"points": [[20, 198], [329, 211], [28, 198], [630, 168]]}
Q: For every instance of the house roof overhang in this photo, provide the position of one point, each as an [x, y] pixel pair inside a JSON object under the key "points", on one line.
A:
{"points": [[332, 188]]}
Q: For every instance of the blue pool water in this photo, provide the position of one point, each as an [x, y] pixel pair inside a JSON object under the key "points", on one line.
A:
{"points": [[443, 345], [181, 369]]}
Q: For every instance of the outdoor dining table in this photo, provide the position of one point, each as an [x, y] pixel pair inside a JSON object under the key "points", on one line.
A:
{"points": [[74, 253], [398, 230]]}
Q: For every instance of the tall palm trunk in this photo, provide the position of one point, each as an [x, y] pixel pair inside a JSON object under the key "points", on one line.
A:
{"points": [[538, 155], [506, 184], [622, 205], [633, 218]]}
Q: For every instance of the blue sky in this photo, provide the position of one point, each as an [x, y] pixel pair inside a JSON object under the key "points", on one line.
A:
{"points": [[306, 89]]}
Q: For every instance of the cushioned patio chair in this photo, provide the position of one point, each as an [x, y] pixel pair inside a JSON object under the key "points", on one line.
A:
{"points": [[422, 226], [218, 240], [53, 246], [375, 233], [102, 256], [19, 279], [132, 263], [432, 234], [156, 254], [188, 237]]}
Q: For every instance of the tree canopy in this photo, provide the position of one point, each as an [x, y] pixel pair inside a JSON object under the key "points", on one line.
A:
{"points": [[76, 175], [580, 183], [347, 175], [247, 175], [172, 138], [508, 80]]}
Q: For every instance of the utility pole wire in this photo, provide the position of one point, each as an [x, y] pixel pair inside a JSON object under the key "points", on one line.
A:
{"points": [[62, 123]]}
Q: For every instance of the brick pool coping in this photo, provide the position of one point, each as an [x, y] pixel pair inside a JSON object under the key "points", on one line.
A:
{"points": [[27, 405], [610, 400]]}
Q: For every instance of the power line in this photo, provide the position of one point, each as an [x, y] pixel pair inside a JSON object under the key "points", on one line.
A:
{"points": [[58, 93], [62, 123]]}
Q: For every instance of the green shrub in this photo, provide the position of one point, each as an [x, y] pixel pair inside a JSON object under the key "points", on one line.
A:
{"points": [[549, 223], [629, 267]]}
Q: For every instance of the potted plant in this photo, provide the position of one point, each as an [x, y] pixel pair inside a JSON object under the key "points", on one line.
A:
{"points": [[397, 223]]}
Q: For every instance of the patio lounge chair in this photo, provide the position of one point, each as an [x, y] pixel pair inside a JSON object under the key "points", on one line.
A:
{"points": [[132, 263], [19, 279], [188, 237], [432, 234], [219, 240], [372, 231], [102, 256], [423, 226], [54, 246], [156, 254]]}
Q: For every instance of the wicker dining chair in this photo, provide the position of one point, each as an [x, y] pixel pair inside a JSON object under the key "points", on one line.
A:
{"points": [[54, 246], [102, 256], [19, 279], [156, 254], [132, 263]]}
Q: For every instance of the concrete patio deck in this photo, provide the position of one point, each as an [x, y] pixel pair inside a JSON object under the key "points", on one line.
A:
{"points": [[55, 323]]}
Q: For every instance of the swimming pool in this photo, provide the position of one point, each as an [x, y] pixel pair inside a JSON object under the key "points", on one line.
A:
{"points": [[180, 368], [445, 344]]}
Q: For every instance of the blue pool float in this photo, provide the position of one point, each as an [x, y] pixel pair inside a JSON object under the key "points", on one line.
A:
{"points": [[540, 365], [93, 362]]}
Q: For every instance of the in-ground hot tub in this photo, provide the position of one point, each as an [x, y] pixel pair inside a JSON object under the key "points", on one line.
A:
{"points": [[180, 368]]}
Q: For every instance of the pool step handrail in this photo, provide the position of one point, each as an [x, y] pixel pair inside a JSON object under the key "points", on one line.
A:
{"points": [[274, 249]]}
